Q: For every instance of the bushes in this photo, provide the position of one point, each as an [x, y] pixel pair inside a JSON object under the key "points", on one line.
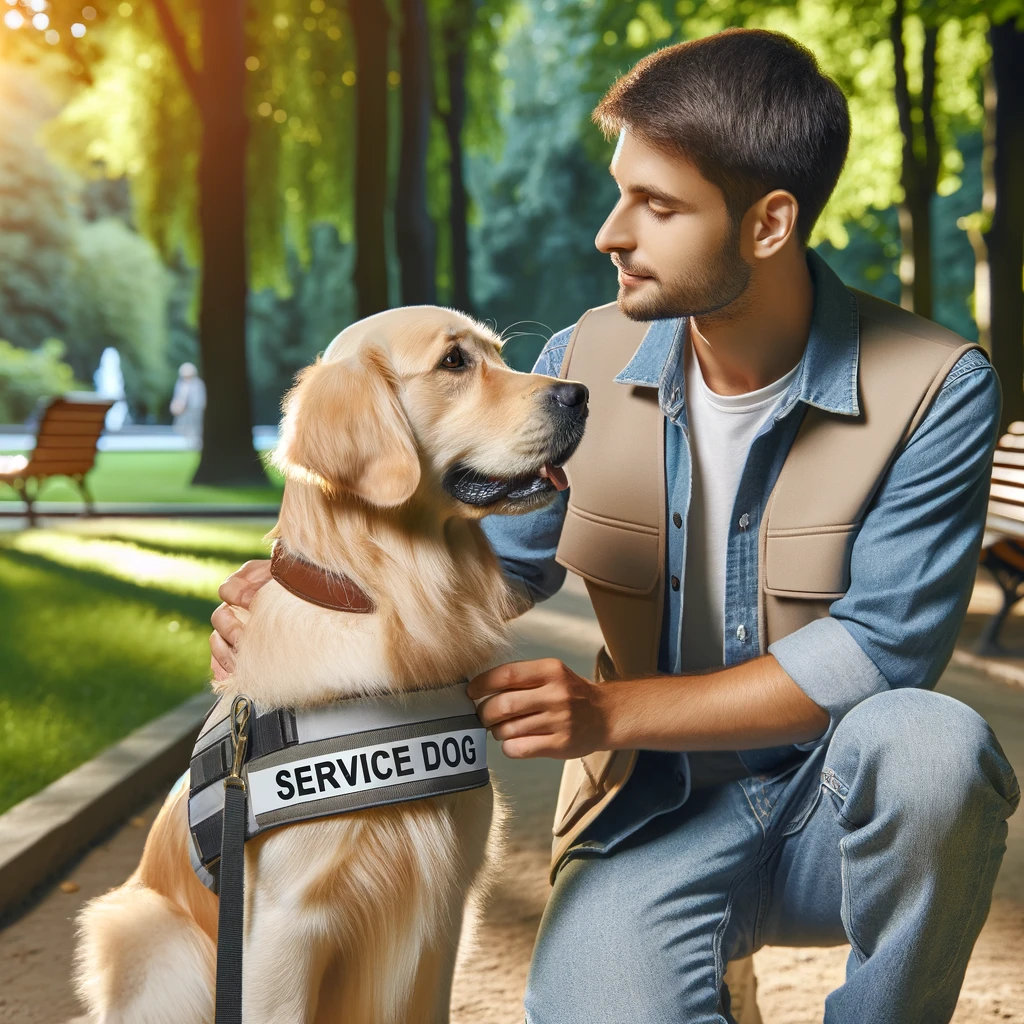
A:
{"points": [[121, 290], [29, 375]]}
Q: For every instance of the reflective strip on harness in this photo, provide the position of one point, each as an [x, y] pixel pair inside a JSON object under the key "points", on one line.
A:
{"points": [[355, 754]]}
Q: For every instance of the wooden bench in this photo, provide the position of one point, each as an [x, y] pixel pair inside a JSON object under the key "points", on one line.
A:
{"points": [[1002, 550], [69, 428]]}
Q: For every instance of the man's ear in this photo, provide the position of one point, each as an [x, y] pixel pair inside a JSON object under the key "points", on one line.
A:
{"points": [[345, 429], [775, 218]]}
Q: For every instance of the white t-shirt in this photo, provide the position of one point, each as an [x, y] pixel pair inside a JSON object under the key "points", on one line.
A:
{"points": [[721, 428]]}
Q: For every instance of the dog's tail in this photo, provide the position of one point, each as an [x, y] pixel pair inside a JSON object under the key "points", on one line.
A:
{"points": [[141, 960]]}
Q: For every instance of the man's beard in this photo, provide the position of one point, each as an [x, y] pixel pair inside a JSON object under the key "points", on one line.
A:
{"points": [[702, 293]]}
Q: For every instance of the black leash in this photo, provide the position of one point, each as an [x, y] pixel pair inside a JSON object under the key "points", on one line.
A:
{"points": [[232, 874]]}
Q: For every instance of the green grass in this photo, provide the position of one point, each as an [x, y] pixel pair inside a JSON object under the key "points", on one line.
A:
{"points": [[104, 628], [151, 476]]}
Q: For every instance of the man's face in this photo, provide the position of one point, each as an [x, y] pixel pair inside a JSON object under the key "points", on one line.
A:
{"points": [[670, 235]]}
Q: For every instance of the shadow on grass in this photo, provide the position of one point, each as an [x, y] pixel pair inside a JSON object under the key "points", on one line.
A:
{"points": [[198, 609], [220, 554]]}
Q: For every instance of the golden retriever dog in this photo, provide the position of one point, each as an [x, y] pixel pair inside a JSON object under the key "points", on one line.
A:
{"points": [[395, 443]]}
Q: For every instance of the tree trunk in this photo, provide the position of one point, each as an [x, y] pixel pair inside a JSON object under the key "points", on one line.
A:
{"points": [[458, 199], [414, 230], [1005, 239], [370, 24], [976, 225], [228, 457], [920, 170]]}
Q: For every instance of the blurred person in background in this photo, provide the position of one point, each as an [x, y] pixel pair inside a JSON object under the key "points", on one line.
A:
{"points": [[188, 404]]}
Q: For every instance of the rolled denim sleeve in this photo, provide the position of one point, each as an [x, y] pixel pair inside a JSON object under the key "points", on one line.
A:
{"points": [[525, 545], [913, 563]]}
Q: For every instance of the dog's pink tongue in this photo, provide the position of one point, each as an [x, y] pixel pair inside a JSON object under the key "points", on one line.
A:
{"points": [[556, 475]]}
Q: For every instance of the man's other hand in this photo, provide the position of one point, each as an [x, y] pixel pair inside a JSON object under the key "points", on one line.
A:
{"points": [[238, 590], [541, 709]]}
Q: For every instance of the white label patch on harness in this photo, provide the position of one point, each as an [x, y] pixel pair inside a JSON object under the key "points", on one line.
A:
{"points": [[363, 768]]}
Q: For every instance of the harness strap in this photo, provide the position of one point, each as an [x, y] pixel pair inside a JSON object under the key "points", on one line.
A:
{"points": [[231, 913]]}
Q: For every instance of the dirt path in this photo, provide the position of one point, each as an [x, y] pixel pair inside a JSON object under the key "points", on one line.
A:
{"points": [[35, 950]]}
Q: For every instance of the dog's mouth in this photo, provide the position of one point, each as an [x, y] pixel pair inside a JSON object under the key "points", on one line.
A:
{"points": [[478, 489]]}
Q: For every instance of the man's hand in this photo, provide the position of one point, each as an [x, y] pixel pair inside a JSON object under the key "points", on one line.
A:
{"points": [[238, 589], [541, 709]]}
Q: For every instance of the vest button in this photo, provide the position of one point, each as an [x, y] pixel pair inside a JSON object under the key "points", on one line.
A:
{"points": [[741, 633], [744, 521], [675, 582], [677, 520]]}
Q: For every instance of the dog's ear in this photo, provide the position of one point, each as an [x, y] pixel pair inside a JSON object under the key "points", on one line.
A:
{"points": [[345, 429]]}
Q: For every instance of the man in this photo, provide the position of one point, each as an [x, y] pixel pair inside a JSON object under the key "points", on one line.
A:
{"points": [[797, 781]]}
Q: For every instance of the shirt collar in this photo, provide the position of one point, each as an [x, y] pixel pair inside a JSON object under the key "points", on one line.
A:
{"points": [[827, 378]]}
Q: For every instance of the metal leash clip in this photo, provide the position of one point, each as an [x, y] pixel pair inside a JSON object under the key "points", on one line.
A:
{"points": [[241, 714]]}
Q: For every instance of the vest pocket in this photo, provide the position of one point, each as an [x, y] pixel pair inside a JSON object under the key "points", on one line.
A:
{"points": [[809, 563], [622, 556]]}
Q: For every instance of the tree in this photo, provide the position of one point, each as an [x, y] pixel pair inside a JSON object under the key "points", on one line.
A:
{"points": [[218, 91], [1005, 237], [414, 230], [164, 97], [121, 292], [371, 24], [37, 221], [455, 32], [919, 171], [541, 198]]}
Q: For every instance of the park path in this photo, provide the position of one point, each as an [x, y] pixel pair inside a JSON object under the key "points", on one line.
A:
{"points": [[35, 950]]}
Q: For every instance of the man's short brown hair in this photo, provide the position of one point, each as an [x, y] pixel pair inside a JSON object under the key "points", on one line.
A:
{"points": [[751, 109]]}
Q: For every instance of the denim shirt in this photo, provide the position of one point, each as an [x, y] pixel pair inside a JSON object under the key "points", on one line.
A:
{"points": [[912, 564]]}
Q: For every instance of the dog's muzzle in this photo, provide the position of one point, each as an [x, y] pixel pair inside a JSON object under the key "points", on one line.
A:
{"points": [[567, 406]]}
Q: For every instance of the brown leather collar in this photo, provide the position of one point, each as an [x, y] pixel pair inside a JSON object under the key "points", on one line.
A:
{"points": [[317, 586]]}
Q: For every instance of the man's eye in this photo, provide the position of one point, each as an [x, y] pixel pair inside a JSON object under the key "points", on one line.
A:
{"points": [[453, 360], [659, 214]]}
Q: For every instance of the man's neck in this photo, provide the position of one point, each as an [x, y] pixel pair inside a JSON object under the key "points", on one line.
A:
{"points": [[761, 336]]}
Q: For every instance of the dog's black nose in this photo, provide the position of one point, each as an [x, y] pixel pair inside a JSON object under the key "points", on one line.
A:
{"points": [[572, 396]]}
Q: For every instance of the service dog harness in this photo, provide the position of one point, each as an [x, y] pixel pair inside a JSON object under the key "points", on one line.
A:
{"points": [[254, 769]]}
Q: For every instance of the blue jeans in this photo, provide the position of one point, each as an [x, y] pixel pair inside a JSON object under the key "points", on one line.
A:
{"points": [[889, 838]]}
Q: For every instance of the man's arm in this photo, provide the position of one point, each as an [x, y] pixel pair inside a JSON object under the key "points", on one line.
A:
{"points": [[912, 567], [543, 709]]}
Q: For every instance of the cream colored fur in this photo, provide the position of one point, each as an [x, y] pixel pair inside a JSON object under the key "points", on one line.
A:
{"points": [[355, 918]]}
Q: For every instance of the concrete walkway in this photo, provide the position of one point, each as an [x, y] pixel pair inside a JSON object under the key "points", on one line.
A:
{"points": [[35, 950]]}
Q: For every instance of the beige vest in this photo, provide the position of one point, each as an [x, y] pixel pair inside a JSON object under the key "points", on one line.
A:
{"points": [[614, 532]]}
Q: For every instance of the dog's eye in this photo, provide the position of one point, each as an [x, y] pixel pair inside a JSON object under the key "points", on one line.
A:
{"points": [[453, 360]]}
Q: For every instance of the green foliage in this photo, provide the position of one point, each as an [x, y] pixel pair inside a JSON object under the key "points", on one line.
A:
{"points": [[540, 205], [37, 219], [92, 283], [122, 291], [137, 118], [286, 332], [27, 376]]}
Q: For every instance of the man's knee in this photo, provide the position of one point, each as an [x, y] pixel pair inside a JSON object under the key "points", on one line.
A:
{"points": [[930, 755]]}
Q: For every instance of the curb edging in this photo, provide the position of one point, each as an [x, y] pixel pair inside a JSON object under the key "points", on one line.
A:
{"points": [[42, 833]]}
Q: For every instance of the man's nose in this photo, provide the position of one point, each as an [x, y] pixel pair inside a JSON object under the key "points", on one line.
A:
{"points": [[570, 397], [614, 235]]}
